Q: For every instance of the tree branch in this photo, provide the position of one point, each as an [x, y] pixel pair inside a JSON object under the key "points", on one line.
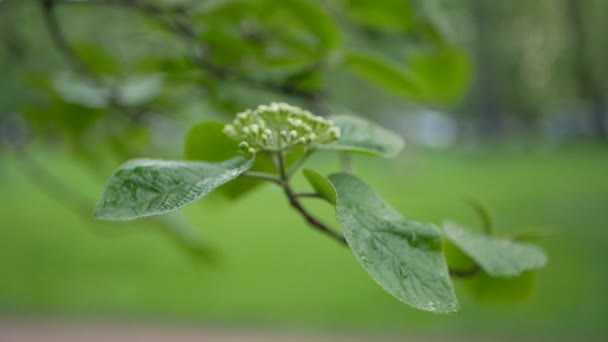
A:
{"points": [[295, 203], [468, 273], [262, 176], [58, 37]]}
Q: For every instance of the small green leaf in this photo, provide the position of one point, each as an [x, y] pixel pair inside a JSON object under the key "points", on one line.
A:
{"points": [[146, 187], [498, 257], [385, 74], [362, 136], [321, 185], [207, 142], [403, 256]]}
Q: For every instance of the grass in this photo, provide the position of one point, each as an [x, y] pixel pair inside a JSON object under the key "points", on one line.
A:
{"points": [[274, 271]]}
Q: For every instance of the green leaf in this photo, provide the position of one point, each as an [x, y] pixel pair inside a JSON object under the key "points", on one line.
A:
{"points": [[443, 73], [394, 16], [362, 136], [498, 257], [316, 19], [207, 142], [139, 90], [321, 185], [403, 256], [385, 74], [78, 90], [456, 259], [146, 187]]}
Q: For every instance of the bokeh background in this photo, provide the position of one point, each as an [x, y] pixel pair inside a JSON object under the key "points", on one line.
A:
{"points": [[501, 102]]}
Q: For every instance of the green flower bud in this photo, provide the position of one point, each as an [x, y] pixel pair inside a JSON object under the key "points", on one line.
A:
{"points": [[289, 125]]}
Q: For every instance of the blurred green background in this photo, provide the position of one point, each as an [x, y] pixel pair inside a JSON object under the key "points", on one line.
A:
{"points": [[503, 102]]}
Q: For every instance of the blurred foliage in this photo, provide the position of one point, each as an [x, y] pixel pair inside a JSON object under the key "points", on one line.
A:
{"points": [[182, 60]]}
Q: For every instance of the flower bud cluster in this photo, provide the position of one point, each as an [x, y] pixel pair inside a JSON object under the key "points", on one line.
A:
{"points": [[279, 126]]}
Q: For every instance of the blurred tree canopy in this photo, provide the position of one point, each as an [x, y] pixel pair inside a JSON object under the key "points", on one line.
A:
{"points": [[111, 79], [93, 72], [112, 69]]}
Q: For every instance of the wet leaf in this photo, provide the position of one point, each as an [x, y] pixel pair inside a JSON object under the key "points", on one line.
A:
{"points": [[146, 187], [405, 257]]}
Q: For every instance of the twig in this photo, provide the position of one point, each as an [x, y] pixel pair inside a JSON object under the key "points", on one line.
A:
{"points": [[299, 163], [347, 162], [308, 195], [295, 203], [468, 273], [59, 39], [262, 176]]}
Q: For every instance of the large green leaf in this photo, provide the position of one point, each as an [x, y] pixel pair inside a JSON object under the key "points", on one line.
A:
{"points": [[207, 142], [321, 185], [498, 257], [362, 136], [403, 256], [146, 187], [385, 74]]}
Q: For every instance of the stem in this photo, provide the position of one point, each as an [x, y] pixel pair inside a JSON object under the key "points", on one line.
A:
{"points": [[468, 273], [347, 162], [59, 39], [295, 203], [308, 194], [262, 176], [312, 221], [299, 163]]}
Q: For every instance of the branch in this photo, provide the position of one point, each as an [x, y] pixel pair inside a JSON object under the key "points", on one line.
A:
{"points": [[308, 195], [299, 163], [312, 221], [262, 176], [58, 37], [465, 273], [295, 203]]}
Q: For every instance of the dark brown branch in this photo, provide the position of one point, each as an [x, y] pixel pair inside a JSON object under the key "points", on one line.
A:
{"points": [[295, 203], [312, 221]]}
